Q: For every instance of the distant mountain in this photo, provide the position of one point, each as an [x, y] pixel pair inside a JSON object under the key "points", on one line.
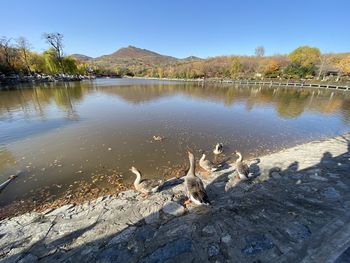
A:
{"points": [[191, 58], [81, 57], [131, 55]]}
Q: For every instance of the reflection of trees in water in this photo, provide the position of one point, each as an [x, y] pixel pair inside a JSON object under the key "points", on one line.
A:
{"points": [[345, 110], [288, 102], [65, 96], [6, 159], [291, 104]]}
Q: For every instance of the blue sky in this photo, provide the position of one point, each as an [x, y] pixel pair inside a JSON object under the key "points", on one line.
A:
{"points": [[181, 28]]}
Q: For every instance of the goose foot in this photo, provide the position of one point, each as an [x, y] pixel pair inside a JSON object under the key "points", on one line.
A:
{"points": [[206, 173], [143, 195], [187, 202]]}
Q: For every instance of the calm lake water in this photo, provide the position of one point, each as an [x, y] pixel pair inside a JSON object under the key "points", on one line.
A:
{"points": [[59, 133]]}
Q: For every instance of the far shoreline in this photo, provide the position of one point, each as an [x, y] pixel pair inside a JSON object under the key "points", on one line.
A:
{"points": [[267, 83], [11, 83]]}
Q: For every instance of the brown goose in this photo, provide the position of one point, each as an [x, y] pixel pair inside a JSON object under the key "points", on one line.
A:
{"points": [[194, 185], [242, 168], [144, 186], [206, 164]]}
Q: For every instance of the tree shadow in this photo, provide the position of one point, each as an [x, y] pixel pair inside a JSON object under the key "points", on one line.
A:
{"points": [[276, 215]]}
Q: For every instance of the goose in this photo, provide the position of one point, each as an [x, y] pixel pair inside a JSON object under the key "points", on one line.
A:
{"points": [[157, 138], [242, 168], [194, 186], [219, 148], [206, 164], [144, 186]]}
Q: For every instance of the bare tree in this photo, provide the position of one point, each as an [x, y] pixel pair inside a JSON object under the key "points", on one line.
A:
{"points": [[9, 52], [23, 47], [56, 42], [324, 63], [260, 51]]}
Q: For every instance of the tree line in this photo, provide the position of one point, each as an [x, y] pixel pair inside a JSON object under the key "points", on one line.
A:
{"points": [[305, 62], [17, 56], [302, 63]]}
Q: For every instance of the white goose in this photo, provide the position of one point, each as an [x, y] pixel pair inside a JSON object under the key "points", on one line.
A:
{"points": [[157, 138], [219, 148]]}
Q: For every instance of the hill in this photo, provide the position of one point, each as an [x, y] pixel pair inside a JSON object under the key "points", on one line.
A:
{"points": [[191, 58], [130, 56], [81, 57]]}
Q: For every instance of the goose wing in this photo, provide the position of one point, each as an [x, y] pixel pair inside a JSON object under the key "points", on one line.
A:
{"points": [[149, 185], [196, 190], [242, 169], [207, 165]]}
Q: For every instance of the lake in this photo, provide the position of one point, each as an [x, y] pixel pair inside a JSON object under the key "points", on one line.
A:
{"points": [[64, 137]]}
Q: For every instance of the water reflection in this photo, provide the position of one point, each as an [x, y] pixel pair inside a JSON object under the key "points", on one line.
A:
{"points": [[38, 99], [288, 102], [6, 160]]}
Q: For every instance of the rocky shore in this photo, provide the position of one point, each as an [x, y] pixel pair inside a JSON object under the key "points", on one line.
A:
{"points": [[17, 79], [295, 209]]}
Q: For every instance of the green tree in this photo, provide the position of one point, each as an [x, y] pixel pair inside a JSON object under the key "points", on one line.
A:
{"points": [[52, 65], [55, 40], [296, 70], [70, 65], [37, 63], [235, 67]]}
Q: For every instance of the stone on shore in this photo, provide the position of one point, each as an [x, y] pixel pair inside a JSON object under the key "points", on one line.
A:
{"points": [[173, 208]]}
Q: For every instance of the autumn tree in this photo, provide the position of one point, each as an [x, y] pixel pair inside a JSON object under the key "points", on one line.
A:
{"points": [[8, 52], [270, 68], [23, 47], [324, 62], [343, 64], [260, 51], [249, 65], [55, 40], [305, 56], [160, 72]]}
